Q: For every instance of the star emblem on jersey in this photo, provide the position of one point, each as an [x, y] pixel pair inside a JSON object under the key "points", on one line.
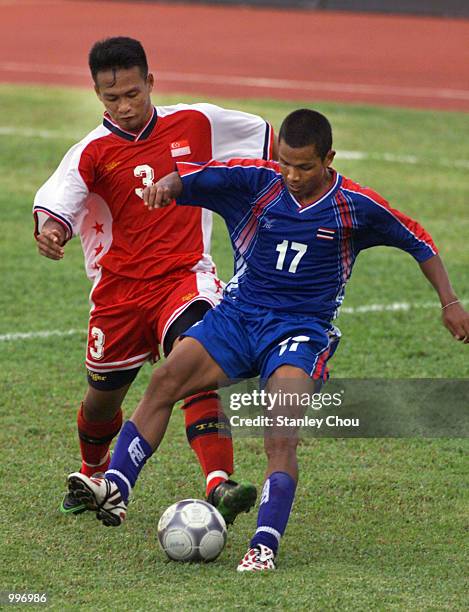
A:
{"points": [[98, 227], [98, 249]]}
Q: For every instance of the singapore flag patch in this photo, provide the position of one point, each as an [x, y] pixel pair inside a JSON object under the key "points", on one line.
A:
{"points": [[179, 148]]}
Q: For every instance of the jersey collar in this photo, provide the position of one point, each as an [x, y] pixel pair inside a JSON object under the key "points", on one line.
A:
{"points": [[144, 133], [336, 180]]}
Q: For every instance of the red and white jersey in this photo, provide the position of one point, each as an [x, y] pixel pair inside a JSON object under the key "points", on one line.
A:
{"points": [[96, 192]]}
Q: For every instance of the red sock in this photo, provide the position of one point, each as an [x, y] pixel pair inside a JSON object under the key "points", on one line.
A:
{"points": [[208, 432], [95, 440]]}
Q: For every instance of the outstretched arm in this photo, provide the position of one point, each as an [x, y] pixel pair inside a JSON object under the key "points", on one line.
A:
{"points": [[455, 318]]}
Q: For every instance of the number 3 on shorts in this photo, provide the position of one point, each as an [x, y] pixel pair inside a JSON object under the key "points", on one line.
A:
{"points": [[97, 351]]}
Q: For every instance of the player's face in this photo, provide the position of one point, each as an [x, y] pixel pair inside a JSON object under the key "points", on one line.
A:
{"points": [[126, 96], [305, 173]]}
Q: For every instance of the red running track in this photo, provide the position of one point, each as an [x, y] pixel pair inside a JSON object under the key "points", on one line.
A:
{"points": [[244, 52]]}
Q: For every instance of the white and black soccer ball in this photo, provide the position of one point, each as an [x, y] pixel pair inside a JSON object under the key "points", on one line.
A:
{"points": [[192, 530]]}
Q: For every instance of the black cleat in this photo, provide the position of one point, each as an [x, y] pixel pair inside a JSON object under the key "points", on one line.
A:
{"points": [[231, 498]]}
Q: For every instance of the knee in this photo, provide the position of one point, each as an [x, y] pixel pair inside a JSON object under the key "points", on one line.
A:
{"points": [[165, 385], [276, 446]]}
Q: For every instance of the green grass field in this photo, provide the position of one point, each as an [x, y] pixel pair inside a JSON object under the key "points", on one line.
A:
{"points": [[378, 524]]}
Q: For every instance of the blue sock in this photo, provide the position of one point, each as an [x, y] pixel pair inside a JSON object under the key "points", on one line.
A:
{"points": [[130, 455], [274, 510]]}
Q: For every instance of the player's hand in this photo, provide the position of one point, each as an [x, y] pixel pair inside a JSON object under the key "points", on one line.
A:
{"points": [[163, 192], [456, 320], [51, 240]]}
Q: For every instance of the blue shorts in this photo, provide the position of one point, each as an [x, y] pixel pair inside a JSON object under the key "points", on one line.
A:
{"points": [[248, 341]]}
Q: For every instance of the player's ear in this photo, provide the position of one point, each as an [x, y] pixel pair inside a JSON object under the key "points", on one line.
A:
{"points": [[329, 158], [150, 82]]}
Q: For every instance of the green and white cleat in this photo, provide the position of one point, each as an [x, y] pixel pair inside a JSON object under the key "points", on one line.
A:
{"points": [[99, 495], [231, 498]]}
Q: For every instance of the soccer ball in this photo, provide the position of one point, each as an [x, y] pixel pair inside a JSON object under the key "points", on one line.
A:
{"points": [[192, 530]]}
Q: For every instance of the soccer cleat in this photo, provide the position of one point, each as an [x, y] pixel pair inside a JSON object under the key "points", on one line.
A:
{"points": [[231, 498], [257, 559], [72, 505], [99, 495]]}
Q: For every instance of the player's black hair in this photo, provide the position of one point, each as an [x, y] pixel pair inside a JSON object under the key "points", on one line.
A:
{"points": [[117, 52], [305, 127]]}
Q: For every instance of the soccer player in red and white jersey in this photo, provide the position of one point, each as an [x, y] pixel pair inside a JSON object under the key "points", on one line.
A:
{"points": [[152, 274]]}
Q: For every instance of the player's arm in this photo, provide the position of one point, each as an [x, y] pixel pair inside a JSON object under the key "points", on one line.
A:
{"points": [[455, 318], [405, 233], [51, 239], [60, 203], [220, 187]]}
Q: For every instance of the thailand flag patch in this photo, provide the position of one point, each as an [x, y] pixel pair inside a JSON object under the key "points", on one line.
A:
{"points": [[325, 233], [179, 148]]}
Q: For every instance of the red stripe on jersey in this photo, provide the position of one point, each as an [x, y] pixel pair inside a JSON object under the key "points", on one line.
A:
{"points": [[320, 371], [251, 226], [267, 198], [185, 168], [410, 224], [344, 210], [271, 142], [247, 233]]}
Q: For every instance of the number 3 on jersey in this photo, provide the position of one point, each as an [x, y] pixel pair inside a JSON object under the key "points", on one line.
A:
{"points": [[147, 174], [282, 248]]}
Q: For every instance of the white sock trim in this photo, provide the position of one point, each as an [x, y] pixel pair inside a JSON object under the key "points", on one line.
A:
{"points": [[217, 474], [103, 460], [271, 530], [122, 477]]}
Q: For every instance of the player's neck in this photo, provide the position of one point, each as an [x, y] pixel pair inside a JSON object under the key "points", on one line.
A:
{"points": [[320, 190]]}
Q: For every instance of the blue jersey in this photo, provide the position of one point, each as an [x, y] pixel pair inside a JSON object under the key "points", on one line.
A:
{"points": [[291, 257]]}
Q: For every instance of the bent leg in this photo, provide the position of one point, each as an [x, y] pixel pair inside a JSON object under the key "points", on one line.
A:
{"points": [[189, 369], [207, 428]]}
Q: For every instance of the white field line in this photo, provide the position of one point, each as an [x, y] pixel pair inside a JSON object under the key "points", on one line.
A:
{"points": [[259, 82], [348, 155], [40, 334], [349, 310]]}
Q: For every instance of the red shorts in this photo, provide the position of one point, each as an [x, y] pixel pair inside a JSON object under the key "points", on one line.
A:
{"points": [[129, 318]]}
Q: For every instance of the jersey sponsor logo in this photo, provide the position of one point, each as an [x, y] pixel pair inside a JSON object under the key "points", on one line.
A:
{"points": [[96, 377], [325, 233], [210, 427], [111, 165], [188, 296], [180, 148]]}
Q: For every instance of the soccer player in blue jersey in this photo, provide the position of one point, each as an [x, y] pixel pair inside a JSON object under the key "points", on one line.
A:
{"points": [[296, 227]]}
